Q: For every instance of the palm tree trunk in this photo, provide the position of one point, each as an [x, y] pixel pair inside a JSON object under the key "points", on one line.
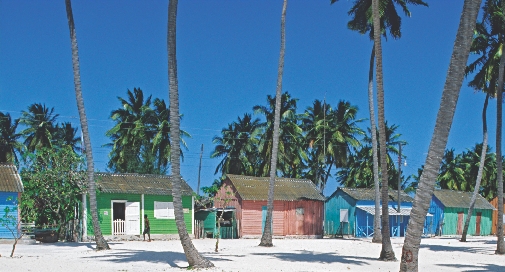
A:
{"points": [[195, 260], [266, 237], [101, 244], [479, 173], [450, 95], [377, 235], [500, 245], [387, 253]]}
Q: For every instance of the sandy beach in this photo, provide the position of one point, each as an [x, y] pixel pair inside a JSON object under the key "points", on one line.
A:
{"points": [[348, 254]]}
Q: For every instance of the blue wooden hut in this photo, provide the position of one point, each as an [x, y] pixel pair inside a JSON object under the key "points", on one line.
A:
{"points": [[351, 211], [11, 188], [450, 209]]}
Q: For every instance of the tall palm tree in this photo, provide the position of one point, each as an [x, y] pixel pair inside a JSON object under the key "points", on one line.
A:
{"points": [[40, 122], [195, 259], [362, 22], [454, 80], [266, 237], [452, 172], [9, 144], [101, 244], [237, 147]]}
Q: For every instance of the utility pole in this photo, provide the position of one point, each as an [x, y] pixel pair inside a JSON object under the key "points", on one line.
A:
{"points": [[199, 170], [399, 173]]}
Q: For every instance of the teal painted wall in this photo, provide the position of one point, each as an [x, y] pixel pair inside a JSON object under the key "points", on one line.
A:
{"points": [[10, 200], [332, 207], [451, 221], [158, 226]]}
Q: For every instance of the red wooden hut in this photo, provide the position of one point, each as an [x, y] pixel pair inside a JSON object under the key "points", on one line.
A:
{"points": [[494, 202], [298, 206]]}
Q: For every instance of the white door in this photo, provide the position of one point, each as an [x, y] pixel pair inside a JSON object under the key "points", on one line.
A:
{"points": [[132, 218]]}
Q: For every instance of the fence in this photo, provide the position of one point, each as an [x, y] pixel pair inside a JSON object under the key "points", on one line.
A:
{"points": [[118, 227]]}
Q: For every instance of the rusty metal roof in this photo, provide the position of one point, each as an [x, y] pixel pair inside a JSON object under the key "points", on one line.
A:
{"points": [[10, 181], [369, 194], [287, 189], [460, 199], [138, 184]]}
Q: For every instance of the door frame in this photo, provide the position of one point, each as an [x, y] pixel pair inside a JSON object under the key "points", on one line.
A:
{"points": [[112, 213]]}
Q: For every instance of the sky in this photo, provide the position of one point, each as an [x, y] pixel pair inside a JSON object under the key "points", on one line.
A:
{"points": [[227, 56]]}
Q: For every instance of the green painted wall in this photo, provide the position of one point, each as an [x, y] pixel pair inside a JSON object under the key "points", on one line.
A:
{"points": [[451, 221], [158, 226]]}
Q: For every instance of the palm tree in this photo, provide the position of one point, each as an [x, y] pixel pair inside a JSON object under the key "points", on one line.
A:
{"points": [[9, 144], [362, 22], [289, 131], [39, 121], [454, 80], [65, 135], [237, 146], [131, 132], [101, 244], [266, 237], [195, 259], [452, 172]]}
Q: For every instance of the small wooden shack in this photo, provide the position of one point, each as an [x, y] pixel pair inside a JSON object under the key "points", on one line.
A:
{"points": [[206, 223], [450, 209], [124, 199], [351, 211], [494, 203], [298, 206], [11, 188]]}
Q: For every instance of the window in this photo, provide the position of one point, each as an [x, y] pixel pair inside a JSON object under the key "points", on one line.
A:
{"points": [[164, 210], [344, 215], [299, 211]]}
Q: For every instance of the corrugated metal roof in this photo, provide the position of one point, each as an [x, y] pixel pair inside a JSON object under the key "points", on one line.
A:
{"points": [[391, 211], [459, 199], [138, 184], [369, 194], [288, 189], [10, 181]]}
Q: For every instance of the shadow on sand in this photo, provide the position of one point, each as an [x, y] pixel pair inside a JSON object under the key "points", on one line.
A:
{"points": [[481, 267], [309, 256]]}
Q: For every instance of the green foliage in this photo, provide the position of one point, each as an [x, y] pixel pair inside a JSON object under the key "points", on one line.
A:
{"points": [[9, 144], [53, 182], [141, 135]]}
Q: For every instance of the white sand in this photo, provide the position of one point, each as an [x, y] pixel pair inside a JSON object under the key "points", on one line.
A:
{"points": [[436, 254]]}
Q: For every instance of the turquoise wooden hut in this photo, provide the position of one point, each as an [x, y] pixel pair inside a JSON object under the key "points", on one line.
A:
{"points": [[206, 223], [124, 199], [450, 209], [351, 211], [11, 188]]}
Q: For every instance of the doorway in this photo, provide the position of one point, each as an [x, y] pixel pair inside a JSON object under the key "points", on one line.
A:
{"points": [[477, 223], [459, 230]]}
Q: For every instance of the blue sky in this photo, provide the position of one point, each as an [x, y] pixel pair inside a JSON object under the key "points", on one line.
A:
{"points": [[227, 53]]}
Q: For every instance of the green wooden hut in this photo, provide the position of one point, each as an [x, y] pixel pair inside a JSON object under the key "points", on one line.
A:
{"points": [[124, 199], [450, 209], [206, 223]]}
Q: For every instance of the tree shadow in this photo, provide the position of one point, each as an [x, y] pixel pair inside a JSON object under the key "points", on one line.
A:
{"points": [[164, 257], [477, 267], [468, 248], [310, 256]]}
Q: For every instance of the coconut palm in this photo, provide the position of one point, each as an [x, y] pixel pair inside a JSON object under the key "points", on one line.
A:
{"points": [[195, 259], [454, 80], [237, 147], [101, 244], [266, 237], [40, 122], [452, 172], [362, 22], [65, 135], [9, 144]]}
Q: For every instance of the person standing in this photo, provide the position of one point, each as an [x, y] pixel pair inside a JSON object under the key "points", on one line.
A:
{"points": [[147, 228]]}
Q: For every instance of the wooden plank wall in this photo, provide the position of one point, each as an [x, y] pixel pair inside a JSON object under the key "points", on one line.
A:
{"points": [[236, 201], [494, 202], [312, 218]]}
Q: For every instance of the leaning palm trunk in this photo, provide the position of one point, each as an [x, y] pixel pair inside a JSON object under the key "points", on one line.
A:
{"points": [[479, 173], [377, 236], [101, 244], [450, 95], [500, 245], [266, 237], [194, 258], [387, 253]]}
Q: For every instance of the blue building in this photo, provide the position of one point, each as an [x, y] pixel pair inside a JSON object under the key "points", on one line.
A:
{"points": [[11, 188], [351, 211]]}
